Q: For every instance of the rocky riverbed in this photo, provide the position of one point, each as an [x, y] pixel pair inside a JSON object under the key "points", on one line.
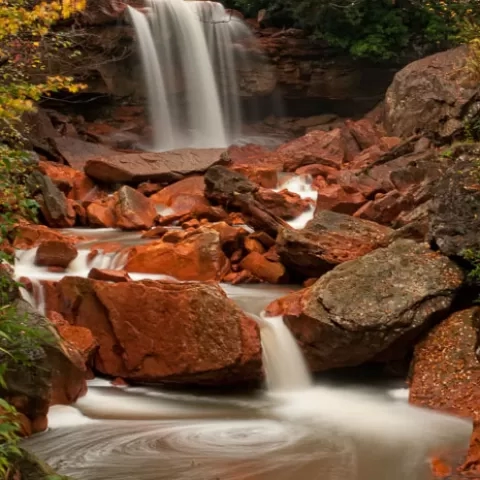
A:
{"points": [[373, 276]]}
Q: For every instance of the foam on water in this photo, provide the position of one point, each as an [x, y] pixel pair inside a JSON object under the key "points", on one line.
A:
{"points": [[301, 185]]}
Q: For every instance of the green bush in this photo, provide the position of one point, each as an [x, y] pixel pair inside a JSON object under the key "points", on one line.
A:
{"points": [[380, 30]]}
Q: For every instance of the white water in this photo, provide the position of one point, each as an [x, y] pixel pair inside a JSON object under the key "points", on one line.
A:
{"points": [[301, 185], [190, 57], [285, 366]]}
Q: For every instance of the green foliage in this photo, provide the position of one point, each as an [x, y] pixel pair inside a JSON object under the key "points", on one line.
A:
{"points": [[473, 257], [380, 30], [26, 38]]}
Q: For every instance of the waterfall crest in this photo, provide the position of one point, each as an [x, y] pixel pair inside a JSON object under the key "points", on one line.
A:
{"points": [[190, 52]]}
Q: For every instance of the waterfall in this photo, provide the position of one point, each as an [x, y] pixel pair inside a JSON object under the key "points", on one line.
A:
{"points": [[284, 364], [190, 52]]}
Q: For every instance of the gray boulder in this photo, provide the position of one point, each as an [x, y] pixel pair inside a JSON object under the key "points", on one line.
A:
{"points": [[372, 308]]}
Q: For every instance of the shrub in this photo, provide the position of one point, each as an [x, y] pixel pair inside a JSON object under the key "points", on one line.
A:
{"points": [[379, 30]]}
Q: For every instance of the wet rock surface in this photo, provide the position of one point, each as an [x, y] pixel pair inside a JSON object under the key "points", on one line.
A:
{"points": [[372, 307], [165, 332]]}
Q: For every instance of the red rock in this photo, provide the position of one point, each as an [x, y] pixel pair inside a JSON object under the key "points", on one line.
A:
{"points": [[241, 277], [133, 211], [364, 133], [28, 236], [253, 245], [148, 188], [387, 143], [446, 375], [193, 186], [317, 147], [55, 253], [237, 154], [73, 183], [77, 152], [366, 158], [264, 238], [329, 239], [197, 257], [155, 167], [316, 170], [385, 209], [165, 331], [115, 276], [230, 237], [193, 223], [264, 176], [258, 265], [353, 182], [283, 204], [80, 338], [334, 198], [101, 213], [156, 232]]}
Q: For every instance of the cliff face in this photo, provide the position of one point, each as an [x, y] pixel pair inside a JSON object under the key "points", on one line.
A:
{"points": [[285, 64]]}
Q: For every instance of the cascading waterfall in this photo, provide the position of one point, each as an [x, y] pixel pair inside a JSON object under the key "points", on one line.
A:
{"points": [[285, 366], [190, 52]]}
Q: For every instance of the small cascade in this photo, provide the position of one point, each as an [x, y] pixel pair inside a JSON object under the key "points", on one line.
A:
{"points": [[285, 367], [191, 51]]}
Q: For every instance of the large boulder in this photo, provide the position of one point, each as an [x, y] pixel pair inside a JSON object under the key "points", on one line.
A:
{"points": [[432, 95], [454, 219], [155, 167], [155, 331], [446, 374], [51, 371], [372, 308], [329, 239]]}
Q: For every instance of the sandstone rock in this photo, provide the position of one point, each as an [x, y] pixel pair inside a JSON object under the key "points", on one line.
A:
{"points": [[115, 276], [77, 152], [372, 308], [263, 176], [73, 183], [283, 204], [235, 191], [432, 95], [260, 267], [328, 240], [55, 253], [363, 132], [80, 338], [31, 235], [319, 147], [454, 220], [336, 199], [198, 257], [173, 332], [133, 210], [101, 213], [237, 154], [446, 374], [193, 185], [385, 208], [155, 167]]}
